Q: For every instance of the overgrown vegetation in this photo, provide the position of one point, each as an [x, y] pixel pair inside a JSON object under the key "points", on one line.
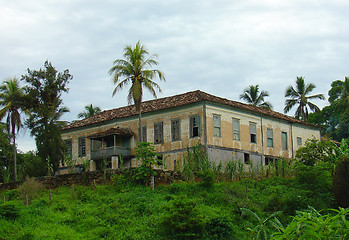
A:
{"points": [[177, 211], [230, 201], [148, 157]]}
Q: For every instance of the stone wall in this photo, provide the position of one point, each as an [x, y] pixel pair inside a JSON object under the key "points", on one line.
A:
{"points": [[87, 178]]}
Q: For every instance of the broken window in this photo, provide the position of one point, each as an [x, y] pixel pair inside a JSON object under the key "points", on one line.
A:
{"points": [[158, 133], [82, 146], [216, 125], [176, 130], [194, 126]]}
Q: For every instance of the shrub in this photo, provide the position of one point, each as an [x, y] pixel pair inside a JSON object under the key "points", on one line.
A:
{"points": [[30, 187], [287, 203], [9, 211], [82, 194], [315, 151], [341, 182], [208, 178], [318, 180], [11, 195], [121, 181], [183, 220], [220, 228]]}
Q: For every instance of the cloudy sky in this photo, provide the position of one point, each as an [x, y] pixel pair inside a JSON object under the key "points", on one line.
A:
{"points": [[217, 46]]}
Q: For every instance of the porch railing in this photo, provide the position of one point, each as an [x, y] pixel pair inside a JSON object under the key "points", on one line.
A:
{"points": [[111, 151]]}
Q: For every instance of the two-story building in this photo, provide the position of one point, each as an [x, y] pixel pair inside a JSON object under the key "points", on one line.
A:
{"points": [[228, 130]]}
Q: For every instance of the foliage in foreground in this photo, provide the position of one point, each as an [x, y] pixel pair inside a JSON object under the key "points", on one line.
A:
{"points": [[311, 224], [177, 211]]}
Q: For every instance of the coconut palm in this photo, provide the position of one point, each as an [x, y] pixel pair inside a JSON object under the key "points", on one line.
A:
{"points": [[252, 96], [11, 105], [133, 69], [299, 96], [90, 111]]}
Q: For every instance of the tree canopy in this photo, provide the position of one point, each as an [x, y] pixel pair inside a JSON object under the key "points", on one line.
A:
{"points": [[299, 97], [89, 111], [335, 118], [253, 96], [44, 90]]}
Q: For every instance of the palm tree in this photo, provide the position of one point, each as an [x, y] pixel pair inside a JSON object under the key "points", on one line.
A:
{"points": [[90, 111], [299, 96], [133, 70], [252, 96], [10, 101]]}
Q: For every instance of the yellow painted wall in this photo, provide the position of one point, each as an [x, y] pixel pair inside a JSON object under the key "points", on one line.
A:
{"points": [[225, 141]]}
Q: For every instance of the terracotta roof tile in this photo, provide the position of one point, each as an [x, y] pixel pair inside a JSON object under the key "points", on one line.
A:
{"points": [[176, 101]]}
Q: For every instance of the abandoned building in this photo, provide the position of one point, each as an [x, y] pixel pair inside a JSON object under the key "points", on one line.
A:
{"points": [[228, 130]]}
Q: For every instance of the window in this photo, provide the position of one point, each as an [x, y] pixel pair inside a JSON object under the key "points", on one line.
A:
{"points": [[176, 130], [253, 132], [284, 141], [270, 141], [269, 160], [158, 133], [144, 133], [175, 164], [159, 161], [68, 144], [236, 129], [246, 158], [82, 146], [299, 141], [194, 126], [216, 125]]}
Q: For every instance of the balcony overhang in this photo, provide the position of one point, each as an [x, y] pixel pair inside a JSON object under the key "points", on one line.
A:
{"points": [[112, 131]]}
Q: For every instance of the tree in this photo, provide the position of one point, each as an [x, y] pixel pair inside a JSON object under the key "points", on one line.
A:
{"points": [[11, 101], [341, 182], [133, 70], [299, 96], [252, 96], [335, 117], [339, 95], [44, 89], [6, 151], [90, 111]]}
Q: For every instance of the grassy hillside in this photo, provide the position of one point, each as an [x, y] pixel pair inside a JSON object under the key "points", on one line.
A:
{"points": [[177, 211]]}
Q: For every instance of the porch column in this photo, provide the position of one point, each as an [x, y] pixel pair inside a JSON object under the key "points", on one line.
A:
{"points": [[92, 165], [115, 162]]}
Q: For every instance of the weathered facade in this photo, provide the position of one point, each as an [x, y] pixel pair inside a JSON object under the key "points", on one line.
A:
{"points": [[228, 130]]}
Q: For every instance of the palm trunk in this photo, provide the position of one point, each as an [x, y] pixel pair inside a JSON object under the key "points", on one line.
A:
{"points": [[140, 124], [15, 157]]}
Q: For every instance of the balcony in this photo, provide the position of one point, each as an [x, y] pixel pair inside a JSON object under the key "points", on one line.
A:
{"points": [[111, 142], [109, 152]]}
